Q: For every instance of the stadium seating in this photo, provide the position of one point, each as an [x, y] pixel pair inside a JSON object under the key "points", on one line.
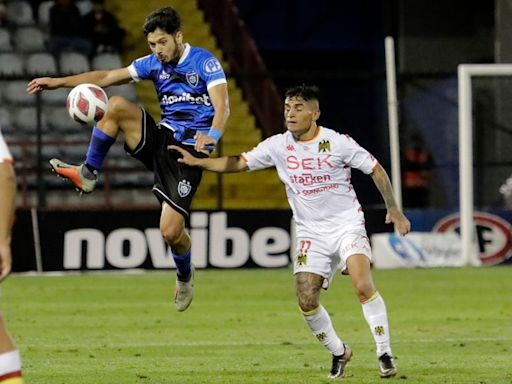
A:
{"points": [[59, 121], [15, 93], [48, 151], [106, 61], [19, 13], [74, 153], [125, 90], [41, 64], [73, 62], [5, 40], [11, 65], [23, 56], [43, 12], [56, 97], [6, 121], [25, 120], [84, 6], [29, 39]]}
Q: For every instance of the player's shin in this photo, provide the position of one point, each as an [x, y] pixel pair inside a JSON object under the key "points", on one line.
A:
{"points": [[99, 145], [374, 310], [320, 324], [183, 265]]}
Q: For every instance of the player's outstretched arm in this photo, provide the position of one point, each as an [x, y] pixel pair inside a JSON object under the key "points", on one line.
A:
{"points": [[225, 164], [394, 214], [220, 101], [7, 198], [101, 78]]}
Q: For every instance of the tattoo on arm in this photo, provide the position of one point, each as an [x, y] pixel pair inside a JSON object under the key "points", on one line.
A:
{"points": [[381, 180]]}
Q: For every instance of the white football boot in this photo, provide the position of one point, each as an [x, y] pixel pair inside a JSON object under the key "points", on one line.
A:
{"points": [[184, 292]]}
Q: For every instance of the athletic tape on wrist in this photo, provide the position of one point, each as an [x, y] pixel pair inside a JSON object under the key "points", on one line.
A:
{"points": [[215, 134]]}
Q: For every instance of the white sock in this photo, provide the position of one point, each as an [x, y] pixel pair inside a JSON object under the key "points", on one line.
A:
{"points": [[320, 324], [374, 311], [10, 364]]}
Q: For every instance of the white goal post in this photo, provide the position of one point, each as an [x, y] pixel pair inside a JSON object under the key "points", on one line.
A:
{"points": [[394, 143], [465, 73]]}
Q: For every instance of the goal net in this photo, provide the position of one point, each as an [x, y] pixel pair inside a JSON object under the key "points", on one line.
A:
{"points": [[465, 123], [485, 151]]}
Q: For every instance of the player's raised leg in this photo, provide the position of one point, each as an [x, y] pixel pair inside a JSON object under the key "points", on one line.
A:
{"points": [[307, 287], [374, 311], [172, 227], [122, 116]]}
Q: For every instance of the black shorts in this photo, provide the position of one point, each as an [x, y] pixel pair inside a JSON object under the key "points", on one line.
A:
{"points": [[175, 183]]}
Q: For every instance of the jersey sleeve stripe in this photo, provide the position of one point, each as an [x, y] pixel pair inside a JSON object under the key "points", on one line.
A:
{"points": [[216, 82], [133, 72]]}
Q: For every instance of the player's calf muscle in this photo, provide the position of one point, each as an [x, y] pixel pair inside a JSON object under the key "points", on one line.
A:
{"points": [[124, 116]]}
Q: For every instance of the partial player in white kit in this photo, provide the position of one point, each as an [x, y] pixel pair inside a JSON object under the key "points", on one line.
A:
{"points": [[10, 360], [315, 163]]}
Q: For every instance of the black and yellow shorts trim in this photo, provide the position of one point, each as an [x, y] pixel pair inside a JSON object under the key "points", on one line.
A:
{"points": [[174, 183]]}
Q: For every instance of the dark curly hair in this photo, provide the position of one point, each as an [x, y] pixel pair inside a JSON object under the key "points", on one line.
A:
{"points": [[167, 19]]}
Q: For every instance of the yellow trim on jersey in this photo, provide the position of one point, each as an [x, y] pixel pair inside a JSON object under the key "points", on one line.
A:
{"points": [[312, 312], [13, 380], [374, 296]]}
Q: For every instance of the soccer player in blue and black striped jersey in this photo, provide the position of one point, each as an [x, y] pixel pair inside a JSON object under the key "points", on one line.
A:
{"points": [[192, 90]]}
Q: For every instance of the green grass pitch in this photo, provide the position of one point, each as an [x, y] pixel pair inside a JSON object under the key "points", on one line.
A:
{"points": [[244, 326]]}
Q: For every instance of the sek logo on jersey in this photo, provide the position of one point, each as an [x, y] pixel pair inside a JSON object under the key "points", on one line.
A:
{"points": [[186, 97], [212, 66], [309, 163]]}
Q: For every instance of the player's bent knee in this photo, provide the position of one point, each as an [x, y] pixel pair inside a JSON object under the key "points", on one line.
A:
{"points": [[172, 233], [364, 290], [308, 304]]}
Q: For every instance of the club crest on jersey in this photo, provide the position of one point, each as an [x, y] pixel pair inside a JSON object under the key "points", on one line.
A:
{"points": [[301, 259], [324, 146], [192, 78], [184, 188]]}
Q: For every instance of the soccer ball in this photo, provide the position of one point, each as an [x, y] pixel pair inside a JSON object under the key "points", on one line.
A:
{"points": [[87, 103]]}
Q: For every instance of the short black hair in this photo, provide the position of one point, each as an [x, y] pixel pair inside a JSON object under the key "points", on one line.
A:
{"points": [[167, 19], [304, 91]]}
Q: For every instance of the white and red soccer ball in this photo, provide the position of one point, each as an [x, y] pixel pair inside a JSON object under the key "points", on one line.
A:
{"points": [[87, 103]]}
